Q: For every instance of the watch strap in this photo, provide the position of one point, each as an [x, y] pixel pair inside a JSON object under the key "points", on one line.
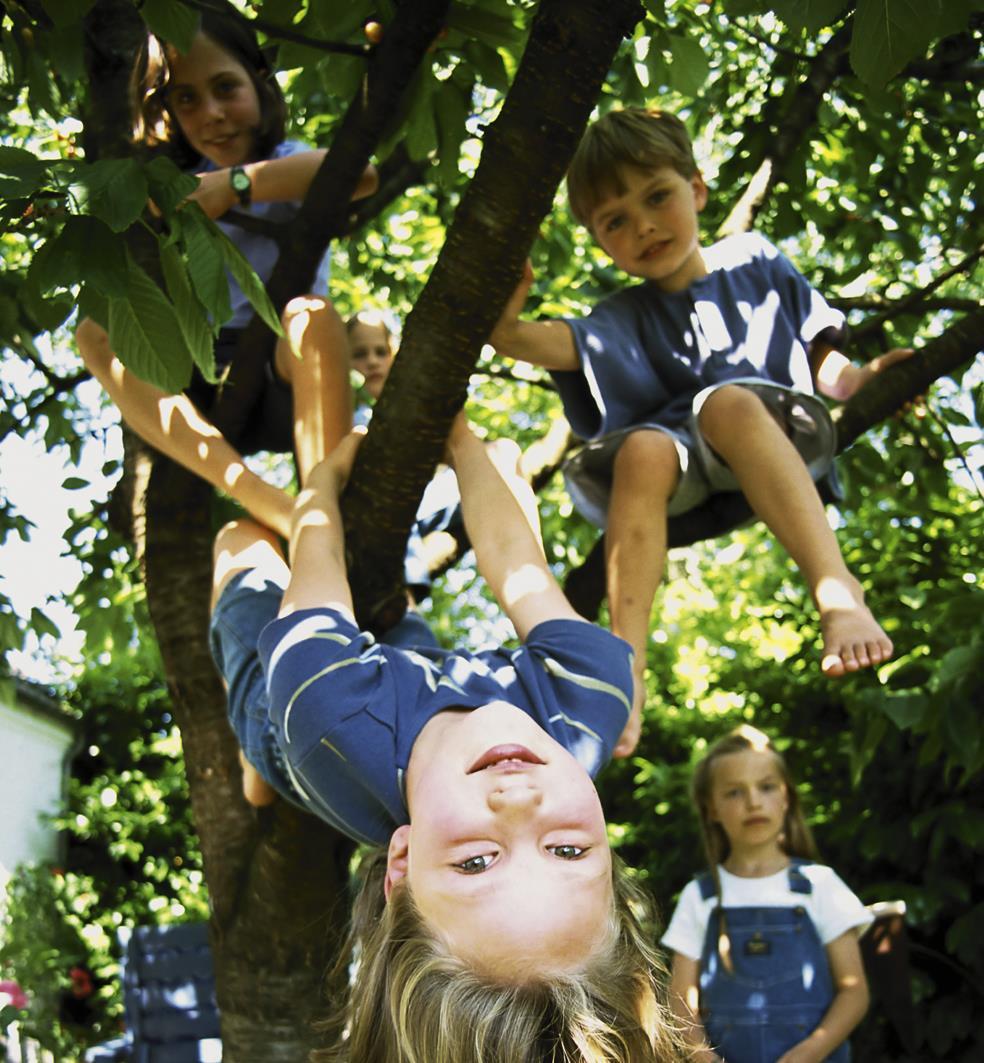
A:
{"points": [[241, 184]]}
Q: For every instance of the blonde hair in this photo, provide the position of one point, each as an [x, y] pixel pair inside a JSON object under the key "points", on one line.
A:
{"points": [[373, 319], [796, 838], [630, 138], [411, 1001]]}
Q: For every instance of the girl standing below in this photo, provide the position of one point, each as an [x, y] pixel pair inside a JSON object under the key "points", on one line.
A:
{"points": [[218, 111], [766, 964]]}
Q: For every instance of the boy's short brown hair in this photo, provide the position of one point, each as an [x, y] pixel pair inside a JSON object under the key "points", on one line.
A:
{"points": [[633, 137]]}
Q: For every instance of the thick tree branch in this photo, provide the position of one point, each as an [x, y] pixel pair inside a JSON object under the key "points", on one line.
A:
{"points": [[907, 380]]}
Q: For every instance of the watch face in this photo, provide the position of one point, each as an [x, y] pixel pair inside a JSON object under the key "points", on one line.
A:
{"points": [[240, 181]]}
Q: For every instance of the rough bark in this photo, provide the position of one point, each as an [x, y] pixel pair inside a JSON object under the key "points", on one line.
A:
{"points": [[524, 155]]}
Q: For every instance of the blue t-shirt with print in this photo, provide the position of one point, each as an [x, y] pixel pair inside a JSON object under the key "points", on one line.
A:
{"points": [[347, 710], [645, 353]]}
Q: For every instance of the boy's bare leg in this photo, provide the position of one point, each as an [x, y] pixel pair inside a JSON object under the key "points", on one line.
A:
{"points": [[646, 473], [240, 546], [779, 488], [173, 425], [313, 357]]}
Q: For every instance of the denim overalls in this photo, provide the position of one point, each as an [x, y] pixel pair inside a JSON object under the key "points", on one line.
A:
{"points": [[780, 987]]}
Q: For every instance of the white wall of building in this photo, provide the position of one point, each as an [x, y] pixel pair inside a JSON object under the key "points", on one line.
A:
{"points": [[35, 743]]}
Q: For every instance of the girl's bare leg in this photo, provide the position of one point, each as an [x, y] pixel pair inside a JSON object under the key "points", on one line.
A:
{"points": [[173, 425], [779, 488], [314, 358], [646, 473]]}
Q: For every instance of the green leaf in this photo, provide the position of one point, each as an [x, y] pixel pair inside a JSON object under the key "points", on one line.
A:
{"points": [[191, 316], [66, 49], [904, 710], [168, 186], [85, 251], [496, 30], [958, 663], [809, 15], [888, 33], [146, 336], [175, 23], [205, 262], [115, 190], [421, 130], [245, 276], [690, 67], [42, 625], [66, 12], [74, 483], [21, 172]]}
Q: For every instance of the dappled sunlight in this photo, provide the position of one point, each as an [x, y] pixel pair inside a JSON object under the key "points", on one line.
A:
{"points": [[525, 581]]}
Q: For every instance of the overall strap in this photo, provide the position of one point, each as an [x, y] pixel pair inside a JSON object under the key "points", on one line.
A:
{"points": [[705, 883], [798, 882]]}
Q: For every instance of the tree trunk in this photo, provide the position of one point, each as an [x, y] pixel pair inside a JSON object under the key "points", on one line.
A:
{"points": [[277, 878]]}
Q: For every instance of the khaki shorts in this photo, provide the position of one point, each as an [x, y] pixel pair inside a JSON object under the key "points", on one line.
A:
{"points": [[588, 472]]}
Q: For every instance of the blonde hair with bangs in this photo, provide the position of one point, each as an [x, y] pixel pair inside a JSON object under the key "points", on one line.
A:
{"points": [[411, 1001], [630, 138]]}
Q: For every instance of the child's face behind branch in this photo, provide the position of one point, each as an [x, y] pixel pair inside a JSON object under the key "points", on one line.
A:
{"points": [[507, 853], [215, 102]]}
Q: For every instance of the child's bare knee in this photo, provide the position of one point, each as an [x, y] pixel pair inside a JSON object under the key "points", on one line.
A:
{"points": [[644, 455], [303, 307], [729, 412], [93, 344]]}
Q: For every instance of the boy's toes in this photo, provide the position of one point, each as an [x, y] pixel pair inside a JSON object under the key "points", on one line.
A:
{"points": [[844, 660]]}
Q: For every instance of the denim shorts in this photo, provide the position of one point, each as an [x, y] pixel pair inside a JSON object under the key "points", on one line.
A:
{"points": [[588, 473]]}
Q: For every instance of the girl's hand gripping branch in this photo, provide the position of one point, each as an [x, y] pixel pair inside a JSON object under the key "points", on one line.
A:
{"points": [[318, 576]]}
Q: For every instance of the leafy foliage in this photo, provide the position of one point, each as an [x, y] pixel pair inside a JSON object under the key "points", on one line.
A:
{"points": [[867, 113]]}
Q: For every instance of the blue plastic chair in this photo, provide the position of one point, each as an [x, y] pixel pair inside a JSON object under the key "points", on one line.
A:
{"points": [[168, 998]]}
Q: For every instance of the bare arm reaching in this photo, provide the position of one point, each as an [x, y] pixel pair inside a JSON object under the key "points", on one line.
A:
{"points": [[549, 344], [502, 523]]}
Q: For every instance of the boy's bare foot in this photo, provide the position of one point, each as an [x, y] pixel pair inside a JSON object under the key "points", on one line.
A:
{"points": [[629, 738], [852, 638]]}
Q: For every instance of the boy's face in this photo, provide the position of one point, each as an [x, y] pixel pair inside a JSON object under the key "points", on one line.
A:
{"points": [[507, 853], [650, 228], [215, 102], [371, 354]]}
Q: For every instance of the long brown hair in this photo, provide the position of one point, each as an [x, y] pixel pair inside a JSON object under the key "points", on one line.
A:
{"points": [[411, 1001], [155, 126]]}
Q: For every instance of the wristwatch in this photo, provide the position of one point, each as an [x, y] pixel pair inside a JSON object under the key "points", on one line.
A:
{"points": [[241, 185]]}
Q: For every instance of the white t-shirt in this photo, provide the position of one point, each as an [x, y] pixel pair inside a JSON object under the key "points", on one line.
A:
{"points": [[831, 906]]}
